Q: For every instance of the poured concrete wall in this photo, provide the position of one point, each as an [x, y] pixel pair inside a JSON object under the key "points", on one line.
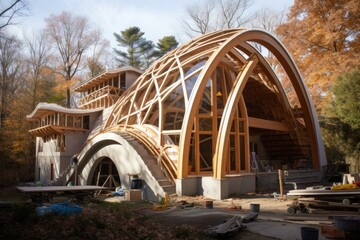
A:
{"points": [[213, 188]]}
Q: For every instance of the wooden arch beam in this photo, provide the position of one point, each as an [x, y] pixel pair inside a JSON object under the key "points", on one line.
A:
{"points": [[288, 64], [222, 141]]}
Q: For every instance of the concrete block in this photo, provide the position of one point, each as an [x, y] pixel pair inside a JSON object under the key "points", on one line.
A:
{"points": [[215, 188]]}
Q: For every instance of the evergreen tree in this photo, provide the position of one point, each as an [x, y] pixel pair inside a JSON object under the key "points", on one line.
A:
{"points": [[341, 126], [347, 99], [166, 44], [138, 48]]}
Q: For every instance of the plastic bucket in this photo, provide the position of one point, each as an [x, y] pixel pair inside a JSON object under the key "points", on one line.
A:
{"points": [[350, 223], [254, 207], [209, 204], [136, 183], [309, 233]]}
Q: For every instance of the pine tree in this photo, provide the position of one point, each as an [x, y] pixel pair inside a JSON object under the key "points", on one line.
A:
{"points": [[166, 44], [138, 49]]}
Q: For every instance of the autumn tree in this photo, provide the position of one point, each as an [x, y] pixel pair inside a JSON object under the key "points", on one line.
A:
{"points": [[18, 143], [10, 62], [40, 85], [72, 36], [323, 38], [138, 49], [210, 15], [11, 79], [40, 77]]}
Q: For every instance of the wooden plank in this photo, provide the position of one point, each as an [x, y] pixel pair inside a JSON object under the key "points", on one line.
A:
{"points": [[59, 189], [325, 192], [267, 124], [281, 183], [229, 225]]}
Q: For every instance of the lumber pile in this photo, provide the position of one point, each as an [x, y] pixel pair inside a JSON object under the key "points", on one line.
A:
{"points": [[231, 226]]}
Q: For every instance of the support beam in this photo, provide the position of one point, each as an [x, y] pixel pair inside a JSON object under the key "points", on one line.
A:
{"points": [[267, 124]]}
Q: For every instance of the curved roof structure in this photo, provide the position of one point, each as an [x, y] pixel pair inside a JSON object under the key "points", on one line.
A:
{"points": [[90, 83], [202, 103], [44, 108]]}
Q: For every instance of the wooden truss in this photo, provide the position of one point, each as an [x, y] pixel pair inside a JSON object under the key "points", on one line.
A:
{"points": [[194, 105]]}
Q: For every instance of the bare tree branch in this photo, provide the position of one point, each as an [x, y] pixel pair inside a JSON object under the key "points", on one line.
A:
{"points": [[72, 36], [198, 18], [206, 16], [10, 62], [232, 13], [11, 9]]}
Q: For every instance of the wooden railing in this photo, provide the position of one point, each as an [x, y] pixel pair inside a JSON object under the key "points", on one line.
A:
{"points": [[147, 138], [102, 92]]}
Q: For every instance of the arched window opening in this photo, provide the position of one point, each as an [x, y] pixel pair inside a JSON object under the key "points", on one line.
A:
{"points": [[106, 174]]}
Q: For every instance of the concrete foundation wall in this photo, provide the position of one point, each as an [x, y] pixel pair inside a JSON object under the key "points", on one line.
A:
{"points": [[188, 186], [269, 182], [243, 183], [45, 158], [214, 188]]}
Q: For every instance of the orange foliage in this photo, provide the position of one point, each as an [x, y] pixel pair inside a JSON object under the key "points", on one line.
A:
{"points": [[323, 38]]}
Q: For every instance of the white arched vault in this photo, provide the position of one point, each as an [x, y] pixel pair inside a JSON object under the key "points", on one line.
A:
{"points": [[126, 159]]}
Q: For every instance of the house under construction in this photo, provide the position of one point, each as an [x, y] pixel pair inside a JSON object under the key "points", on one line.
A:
{"points": [[208, 118]]}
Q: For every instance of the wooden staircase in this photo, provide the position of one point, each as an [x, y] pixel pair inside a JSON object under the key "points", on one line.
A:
{"points": [[152, 163]]}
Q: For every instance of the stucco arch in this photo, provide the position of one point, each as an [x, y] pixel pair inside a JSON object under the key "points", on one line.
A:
{"points": [[124, 156]]}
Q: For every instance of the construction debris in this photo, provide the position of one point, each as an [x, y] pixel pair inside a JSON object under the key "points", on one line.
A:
{"points": [[185, 204], [227, 229], [231, 226], [250, 217]]}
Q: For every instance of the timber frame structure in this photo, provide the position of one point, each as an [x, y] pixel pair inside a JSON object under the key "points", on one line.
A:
{"points": [[214, 110]]}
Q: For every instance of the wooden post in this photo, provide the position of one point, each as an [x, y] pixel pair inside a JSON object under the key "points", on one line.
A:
{"points": [[75, 175], [281, 184]]}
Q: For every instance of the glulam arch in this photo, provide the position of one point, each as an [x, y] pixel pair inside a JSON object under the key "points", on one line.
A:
{"points": [[164, 104]]}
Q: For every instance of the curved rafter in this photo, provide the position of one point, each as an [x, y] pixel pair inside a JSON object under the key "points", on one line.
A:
{"points": [[179, 94]]}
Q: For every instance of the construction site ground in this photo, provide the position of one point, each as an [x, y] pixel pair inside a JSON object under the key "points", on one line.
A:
{"points": [[273, 221]]}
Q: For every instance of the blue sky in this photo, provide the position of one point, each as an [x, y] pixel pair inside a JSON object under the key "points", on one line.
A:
{"points": [[157, 18]]}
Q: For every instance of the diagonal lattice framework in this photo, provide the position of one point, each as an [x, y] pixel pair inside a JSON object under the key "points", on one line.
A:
{"points": [[190, 104]]}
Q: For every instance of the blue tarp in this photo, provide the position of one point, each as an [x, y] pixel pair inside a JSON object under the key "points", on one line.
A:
{"points": [[119, 192], [64, 208]]}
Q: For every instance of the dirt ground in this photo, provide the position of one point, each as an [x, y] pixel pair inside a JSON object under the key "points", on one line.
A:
{"points": [[22, 223], [195, 213], [221, 210], [273, 221]]}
